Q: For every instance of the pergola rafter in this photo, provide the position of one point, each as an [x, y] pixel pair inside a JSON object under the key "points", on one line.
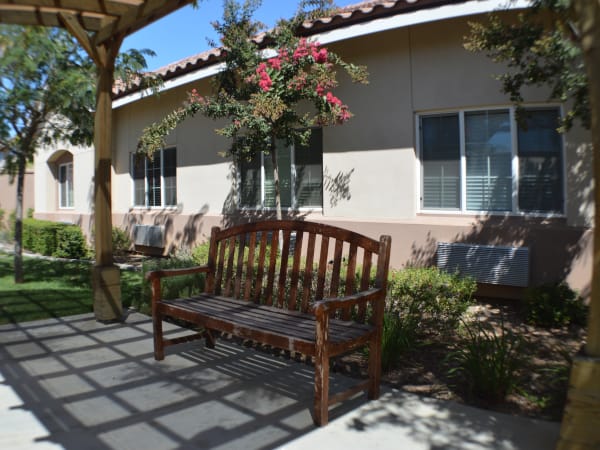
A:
{"points": [[103, 20], [100, 27]]}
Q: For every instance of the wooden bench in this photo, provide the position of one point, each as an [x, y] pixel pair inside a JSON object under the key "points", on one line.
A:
{"points": [[323, 297]]}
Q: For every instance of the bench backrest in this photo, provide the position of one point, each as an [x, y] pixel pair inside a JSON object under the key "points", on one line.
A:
{"points": [[316, 261]]}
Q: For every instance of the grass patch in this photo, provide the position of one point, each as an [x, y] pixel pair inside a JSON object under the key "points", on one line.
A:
{"points": [[54, 289]]}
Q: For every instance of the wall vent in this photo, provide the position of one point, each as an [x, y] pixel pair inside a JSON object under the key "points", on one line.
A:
{"points": [[149, 236], [491, 264]]}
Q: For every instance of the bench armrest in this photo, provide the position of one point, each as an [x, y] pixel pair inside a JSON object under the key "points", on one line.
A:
{"points": [[329, 304], [158, 274]]}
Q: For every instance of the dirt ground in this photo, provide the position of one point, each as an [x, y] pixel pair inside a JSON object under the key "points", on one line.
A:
{"points": [[542, 377]]}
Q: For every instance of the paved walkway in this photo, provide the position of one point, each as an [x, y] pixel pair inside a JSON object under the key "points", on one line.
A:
{"points": [[74, 383]]}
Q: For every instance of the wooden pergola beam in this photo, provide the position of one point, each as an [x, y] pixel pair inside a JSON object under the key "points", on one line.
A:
{"points": [[137, 18], [74, 27]]}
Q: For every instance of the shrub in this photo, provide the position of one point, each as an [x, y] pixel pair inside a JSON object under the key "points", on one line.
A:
{"points": [[29, 213], [435, 300], [39, 236], [121, 241], [399, 336], [486, 363], [53, 239], [174, 287], [200, 253], [70, 242], [554, 305]]}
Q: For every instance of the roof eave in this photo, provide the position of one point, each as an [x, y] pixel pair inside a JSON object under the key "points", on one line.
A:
{"points": [[359, 23]]}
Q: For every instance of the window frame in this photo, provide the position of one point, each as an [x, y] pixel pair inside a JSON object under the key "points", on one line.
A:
{"points": [[70, 194], [293, 174], [147, 186], [462, 210]]}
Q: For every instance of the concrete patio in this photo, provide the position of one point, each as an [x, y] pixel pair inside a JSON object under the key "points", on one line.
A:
{"points": [[74, 383]]}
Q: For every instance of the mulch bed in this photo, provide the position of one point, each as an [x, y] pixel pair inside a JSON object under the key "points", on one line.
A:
{"points": [[542, 378]]}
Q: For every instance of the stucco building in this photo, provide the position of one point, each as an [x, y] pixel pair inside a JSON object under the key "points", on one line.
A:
{"points": [[433, 154]]}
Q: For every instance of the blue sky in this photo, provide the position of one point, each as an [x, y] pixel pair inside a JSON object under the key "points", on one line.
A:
{"points": [[185, 32]]}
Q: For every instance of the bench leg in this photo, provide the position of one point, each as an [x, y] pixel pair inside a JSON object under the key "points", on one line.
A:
{"points": [[210, 339], [321, 387], [321, 406], [159, 350], [374, 367]]}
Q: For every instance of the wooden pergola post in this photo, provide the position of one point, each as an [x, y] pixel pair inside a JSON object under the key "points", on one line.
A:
{"points": [[580, 428], [99, 27], [106, 276]]}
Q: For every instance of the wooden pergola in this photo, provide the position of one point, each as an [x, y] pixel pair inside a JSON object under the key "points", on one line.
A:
{"points": [[100, 27]]}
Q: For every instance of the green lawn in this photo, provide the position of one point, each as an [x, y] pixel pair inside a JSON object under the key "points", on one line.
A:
{"points": [[54, 289]]}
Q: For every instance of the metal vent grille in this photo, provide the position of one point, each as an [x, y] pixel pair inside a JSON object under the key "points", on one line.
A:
{"points": [[486, 263], [149, 235]]}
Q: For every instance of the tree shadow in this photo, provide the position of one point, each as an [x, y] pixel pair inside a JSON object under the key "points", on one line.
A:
{"points": [[176, 236], [338, 186]]}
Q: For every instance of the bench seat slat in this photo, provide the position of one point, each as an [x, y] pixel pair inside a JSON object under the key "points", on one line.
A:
{"points": [[267, 324], [267, 313]]}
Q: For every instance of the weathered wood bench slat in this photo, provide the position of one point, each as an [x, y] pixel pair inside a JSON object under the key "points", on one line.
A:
{"points": [[293, 319], [268, 282], [267, 319]]}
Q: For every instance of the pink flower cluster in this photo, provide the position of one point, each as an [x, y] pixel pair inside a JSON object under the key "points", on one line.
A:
{"points": [[333, 100], [299, 82], [194, 97], [264, 81], [339, 109], [304, 49]]}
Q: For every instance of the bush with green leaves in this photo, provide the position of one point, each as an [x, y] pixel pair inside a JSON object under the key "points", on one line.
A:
{"points": [[70, 242], [39, 236], [121, 241], [486, 362], [172, 287], [554, 305], [434, 299], [399, 336], [200, 253], [57, 239]]}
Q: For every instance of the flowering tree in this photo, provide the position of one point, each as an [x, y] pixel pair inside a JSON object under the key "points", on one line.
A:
{"points": [[261, 90]]}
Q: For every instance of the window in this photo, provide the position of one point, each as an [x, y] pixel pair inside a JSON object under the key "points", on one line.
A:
{"points": [[484, 161], [155, 180], [65, 185], [300, 177]]}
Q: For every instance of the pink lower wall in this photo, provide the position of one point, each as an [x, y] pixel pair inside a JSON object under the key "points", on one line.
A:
{"points": [[557, 251]]}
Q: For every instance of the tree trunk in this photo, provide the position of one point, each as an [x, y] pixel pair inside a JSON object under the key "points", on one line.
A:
{"points": [[580, 425], [18, 259], [276, 179]]}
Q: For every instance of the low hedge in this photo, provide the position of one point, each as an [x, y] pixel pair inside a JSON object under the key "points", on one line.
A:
{"points": [[53, 239]]}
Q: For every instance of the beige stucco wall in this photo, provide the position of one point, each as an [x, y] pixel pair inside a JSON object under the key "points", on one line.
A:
{"points": [[371, 168], [203, 182], [8, 193], [46, 193]]}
